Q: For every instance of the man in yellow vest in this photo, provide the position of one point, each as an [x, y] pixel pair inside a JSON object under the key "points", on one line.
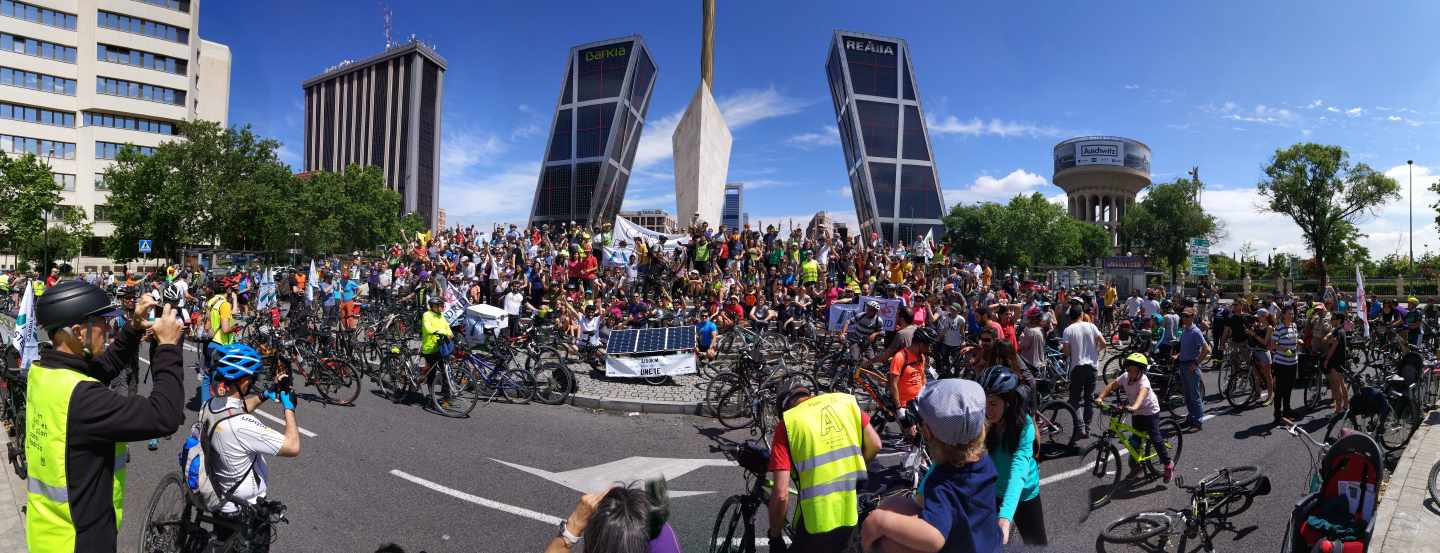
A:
{"points": [[824, 441], [76, 427]]}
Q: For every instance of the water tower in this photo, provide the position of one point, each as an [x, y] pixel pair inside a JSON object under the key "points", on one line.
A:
{"points": [[1101, 176]]}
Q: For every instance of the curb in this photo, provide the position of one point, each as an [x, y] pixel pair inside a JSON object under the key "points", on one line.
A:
{"points": [[1401, 510], [636, 406]]}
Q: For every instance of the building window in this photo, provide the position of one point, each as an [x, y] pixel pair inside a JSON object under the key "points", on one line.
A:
{"points": [[560, 139], [837, 79], [66, 182], [140, 26], [587, 176], [36, 14], [640, 83], [102, 213], [37, 81], [554, 198], [878, 127], [39, 148], [111, 150], [100, 182], [177, 5], [872, 65], [139, 91], [593, 129], [94, 119], [915, 146], [39, 48], [138, 58], [882, 182], [602, 70], [918, 196], [42, 116]]}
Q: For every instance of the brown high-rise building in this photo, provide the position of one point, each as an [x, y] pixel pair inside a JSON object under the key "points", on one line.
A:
{"points": [[382, 111]]}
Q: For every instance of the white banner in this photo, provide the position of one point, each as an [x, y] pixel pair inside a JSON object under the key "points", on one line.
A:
{"points": [[266, 298], [311, 281], [617, 257], [841, 313], [624, 366], [888, 307], [1100, 152], [1360, 304], [455, 304], [628, 231], [27, 342]]}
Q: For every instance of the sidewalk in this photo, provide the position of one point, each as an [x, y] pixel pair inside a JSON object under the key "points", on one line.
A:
{"points": [[1407, 521], [12, 500]]}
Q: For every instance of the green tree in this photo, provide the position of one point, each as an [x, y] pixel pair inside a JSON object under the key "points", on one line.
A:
{"points": [[29, 200], [1162, 225], [1027, 232], [1317, 187], [347, 211]]}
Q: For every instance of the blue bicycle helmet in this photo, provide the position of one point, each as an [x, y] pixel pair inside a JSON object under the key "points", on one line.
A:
{"points": [[235, 361], [998, 380]]}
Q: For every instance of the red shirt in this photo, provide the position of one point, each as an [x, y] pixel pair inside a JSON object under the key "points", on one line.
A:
{"points": [[780, 446], [588, 269]]}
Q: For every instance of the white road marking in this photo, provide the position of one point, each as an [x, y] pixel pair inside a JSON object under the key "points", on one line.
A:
{"points": [[759, 542], [1072, 472], [599, 477], [502, 507], [191, 348], [281, 422]]}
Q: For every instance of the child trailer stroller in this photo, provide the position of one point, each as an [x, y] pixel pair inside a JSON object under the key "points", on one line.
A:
{"points": [[1339, 517]]}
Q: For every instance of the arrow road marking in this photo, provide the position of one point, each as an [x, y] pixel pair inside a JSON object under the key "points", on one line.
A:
{"points": [[502, 507], [599, 477]]}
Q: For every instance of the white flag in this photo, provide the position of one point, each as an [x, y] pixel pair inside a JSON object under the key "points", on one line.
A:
{"points": [[26, 340], [1360, 301], [311, 282]]}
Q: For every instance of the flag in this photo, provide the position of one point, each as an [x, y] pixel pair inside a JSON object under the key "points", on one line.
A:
{"points": [[455, 304], [1360, 301], [26, 341], [310, 283]]}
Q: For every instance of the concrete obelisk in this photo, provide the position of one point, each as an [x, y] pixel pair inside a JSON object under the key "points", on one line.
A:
{"points": [[702, 143]]}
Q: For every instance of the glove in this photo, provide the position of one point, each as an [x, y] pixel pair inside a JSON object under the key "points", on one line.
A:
{"points": [[285, 397]]}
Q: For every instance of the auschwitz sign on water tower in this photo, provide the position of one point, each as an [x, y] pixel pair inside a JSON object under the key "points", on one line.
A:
{"points": [[1100, 152]]}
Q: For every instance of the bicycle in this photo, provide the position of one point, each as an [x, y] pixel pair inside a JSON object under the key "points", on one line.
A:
{"points": [[457, 393], [12, 409], [493, 377], [738, 511], [1100, 457], [1216, 498], [176, 520]]}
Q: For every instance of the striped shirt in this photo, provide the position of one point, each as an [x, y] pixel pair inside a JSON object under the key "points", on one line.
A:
{"points": [[1287, 337]]}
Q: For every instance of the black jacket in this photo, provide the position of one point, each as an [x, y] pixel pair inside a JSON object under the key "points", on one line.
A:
{"points": [[99, 418]]}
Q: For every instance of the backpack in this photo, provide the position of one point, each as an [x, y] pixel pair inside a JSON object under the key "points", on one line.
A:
{"points": [[198, 461]]}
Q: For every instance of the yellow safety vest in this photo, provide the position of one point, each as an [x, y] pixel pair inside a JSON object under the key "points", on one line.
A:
{"points": [[216, 334], [810, 271], [39, 286], [824, 433], [48, 524]]}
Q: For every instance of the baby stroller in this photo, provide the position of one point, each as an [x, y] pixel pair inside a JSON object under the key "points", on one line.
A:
{"points": [[1339, 517]]}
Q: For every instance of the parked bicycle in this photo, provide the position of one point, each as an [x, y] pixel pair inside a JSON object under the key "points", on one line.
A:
{"points": [[1213, 500]]}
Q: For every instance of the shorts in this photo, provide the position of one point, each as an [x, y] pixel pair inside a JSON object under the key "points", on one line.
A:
{"points": [[1261, 356]]}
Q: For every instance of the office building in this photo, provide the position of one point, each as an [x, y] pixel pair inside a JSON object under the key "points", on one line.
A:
{"points": [[732, 212], [882, 132], [1101, 176], [595, 132], [657, 220], [81, 78], [382, 111]]}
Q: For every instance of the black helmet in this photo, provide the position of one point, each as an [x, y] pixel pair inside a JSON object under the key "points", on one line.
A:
{"points": [[435, 300], [172, 293], [788, 391], [1165, 306], [998, 380], [927, 335], [123, 291], [71, 302]]}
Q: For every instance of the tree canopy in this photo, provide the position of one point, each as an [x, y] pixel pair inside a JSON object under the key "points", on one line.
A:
{"points": [[1027, 232], [1162, 225], [29, 199], [1317, 187]]}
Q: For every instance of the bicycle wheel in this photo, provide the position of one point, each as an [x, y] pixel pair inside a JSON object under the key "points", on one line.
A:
{"points": [[553, 383], [337, 381], [1146, 530], [1434, 486], [167, 527], [732, 407], [517, 385], [390, 379], [453, 389], [1057, 426], [1174, 439], [1239, 388], [1112, 368], [723, 538], [1227, 499], [1396, 424], [1102, 462]]}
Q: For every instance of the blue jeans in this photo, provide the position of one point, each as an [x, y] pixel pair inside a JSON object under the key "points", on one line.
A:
{"points": [[1190, 384]]}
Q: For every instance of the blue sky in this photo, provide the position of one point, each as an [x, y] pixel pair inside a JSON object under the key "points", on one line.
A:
{"points": [[1220, 85]]}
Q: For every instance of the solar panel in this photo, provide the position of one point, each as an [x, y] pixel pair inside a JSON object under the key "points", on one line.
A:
{"points": [[680, 337], [622, 341], [651, 340]]}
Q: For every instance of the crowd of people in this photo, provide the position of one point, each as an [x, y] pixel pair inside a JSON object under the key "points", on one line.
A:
{"points": [[586, 281]]}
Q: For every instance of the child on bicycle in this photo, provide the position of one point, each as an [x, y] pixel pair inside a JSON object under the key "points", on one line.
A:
{"points": [[1144, 408]]}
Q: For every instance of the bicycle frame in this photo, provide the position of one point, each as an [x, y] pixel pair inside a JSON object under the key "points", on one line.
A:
{"points": [[1124, 433]]}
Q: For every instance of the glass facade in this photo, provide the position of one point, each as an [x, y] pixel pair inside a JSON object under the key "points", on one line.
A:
{"points": [[137, 58], [37, 81], [111, 150], [38, 48], [598, 120], [139, 91], [140, 26], [31, 114], [37, 14], [734, 206], [93, 119], [40, 148], [893, 180]]}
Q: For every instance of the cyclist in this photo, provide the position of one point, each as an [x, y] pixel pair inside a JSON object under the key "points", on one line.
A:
{"points": [[1413, 322], [907, 370], [433, 329], [239, 441], [1144, 408], [77, 428], [825, 441], [862, 330], [1011, 443], [222, 331], [128, 380]]}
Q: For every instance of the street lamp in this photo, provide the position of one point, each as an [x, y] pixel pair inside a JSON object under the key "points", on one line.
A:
{"points": [[45, 269], [1410, 163]]}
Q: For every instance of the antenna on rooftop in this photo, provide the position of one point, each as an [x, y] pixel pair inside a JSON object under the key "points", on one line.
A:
{"points": [[387, 14]]}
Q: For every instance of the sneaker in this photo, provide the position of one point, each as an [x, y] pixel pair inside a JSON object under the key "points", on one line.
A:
{"points": [[1269, 399], [1169, 471]]}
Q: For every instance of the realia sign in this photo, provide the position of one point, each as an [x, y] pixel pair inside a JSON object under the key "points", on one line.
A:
{"points": [[870, 46]]}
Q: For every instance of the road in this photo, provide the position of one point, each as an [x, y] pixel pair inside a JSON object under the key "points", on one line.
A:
{"points": [[501, 480]]}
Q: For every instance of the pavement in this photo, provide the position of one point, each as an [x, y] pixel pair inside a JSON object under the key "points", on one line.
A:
{"points": [[12, 505], [1407, 520]]}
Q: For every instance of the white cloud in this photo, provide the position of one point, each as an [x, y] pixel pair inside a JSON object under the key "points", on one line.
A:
{"points": [[289, 157], [744, 108], [524, 108], [995, 127], [1332, 109], [757, 184], [988, 188], [463, 150], [828, 136], [843, 192], [1404, 121], [649, 201], [499, 196], [525, 131], [1354, 112], [1132, 87], [1261, 114], [1315, 104]]}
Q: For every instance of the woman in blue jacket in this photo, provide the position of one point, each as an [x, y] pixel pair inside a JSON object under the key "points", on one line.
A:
{"points": [[1011, 443]]}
